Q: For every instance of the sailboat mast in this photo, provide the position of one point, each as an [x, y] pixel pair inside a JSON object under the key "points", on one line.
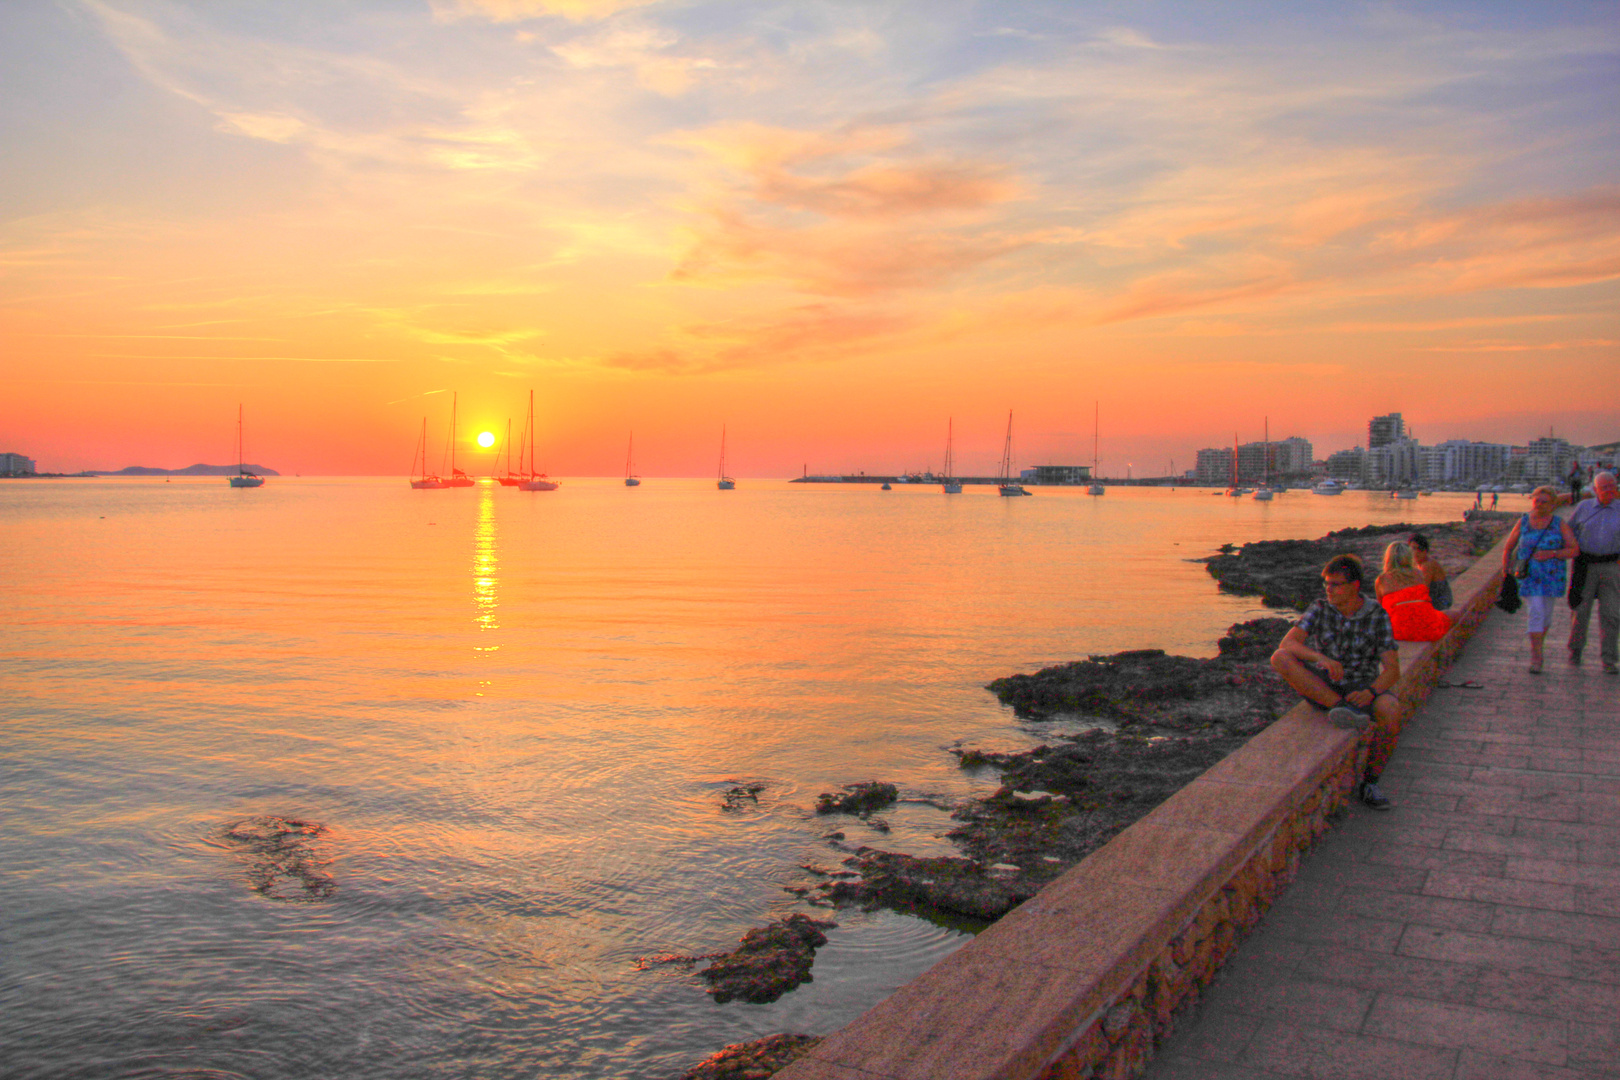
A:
{"points": [[239, 438]]}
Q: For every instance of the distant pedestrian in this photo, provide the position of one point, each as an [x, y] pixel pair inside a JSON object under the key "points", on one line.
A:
{"points": [[1493, 500], [1577, 479], [1595, 582], [1342, 656], [1534, 552], [1479, 500]]}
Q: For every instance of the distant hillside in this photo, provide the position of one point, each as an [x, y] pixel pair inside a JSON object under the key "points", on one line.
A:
{"points": [[189, 470]]}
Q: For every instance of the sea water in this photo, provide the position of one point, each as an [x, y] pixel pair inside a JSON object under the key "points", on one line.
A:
{"points": [[508, 721]]}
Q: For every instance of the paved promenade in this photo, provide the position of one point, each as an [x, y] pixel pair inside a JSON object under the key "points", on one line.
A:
{"points": [[1473, 931]]}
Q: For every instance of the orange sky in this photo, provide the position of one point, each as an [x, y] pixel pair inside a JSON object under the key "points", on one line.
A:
{"points": [[831, 228]]}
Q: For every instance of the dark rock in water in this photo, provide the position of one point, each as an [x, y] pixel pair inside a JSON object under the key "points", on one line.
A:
{"points": [[1288, 573], [859, 799], [1254, 641], [771, 960], [753, 1060], [905, 882], [740, 796], [284, 860]]}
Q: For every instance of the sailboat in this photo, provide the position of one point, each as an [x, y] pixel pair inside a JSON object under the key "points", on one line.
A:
{"points": [[243, 478], [1263, 493], [725, 482], [1007, 487], [532, 481], [1096, 424], [423, 482], [951, 486], [630, 478], [511, 478], [457, 477]]}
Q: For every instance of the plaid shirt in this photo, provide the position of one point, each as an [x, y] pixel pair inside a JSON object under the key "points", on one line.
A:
{"points": [[1357, 641]]}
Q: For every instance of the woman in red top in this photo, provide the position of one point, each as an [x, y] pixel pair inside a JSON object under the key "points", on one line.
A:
{"points": [[1404, 592]]}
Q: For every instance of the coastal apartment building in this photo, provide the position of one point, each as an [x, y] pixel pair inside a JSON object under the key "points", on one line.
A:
{"points": [[16, 465], [1280, 459]]}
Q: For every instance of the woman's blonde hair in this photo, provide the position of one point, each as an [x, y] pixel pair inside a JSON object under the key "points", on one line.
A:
{"points": [[1399, 564], [1544, 489]]}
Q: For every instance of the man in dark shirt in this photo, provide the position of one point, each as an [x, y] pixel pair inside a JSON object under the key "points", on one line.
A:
{"points": [[1596, 583], [1342, 656]]}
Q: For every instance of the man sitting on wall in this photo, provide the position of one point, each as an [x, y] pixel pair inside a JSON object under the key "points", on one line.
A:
{"points": [[1342, 656]]}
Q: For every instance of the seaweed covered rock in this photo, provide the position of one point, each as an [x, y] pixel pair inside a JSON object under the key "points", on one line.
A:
{"points": [[953, 885], [771, 960], [284, 857], [1254, 641], [860, 799], [754, 1060]]}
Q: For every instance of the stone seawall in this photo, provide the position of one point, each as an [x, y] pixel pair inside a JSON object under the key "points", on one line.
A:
{"points": [[1087, 977]]}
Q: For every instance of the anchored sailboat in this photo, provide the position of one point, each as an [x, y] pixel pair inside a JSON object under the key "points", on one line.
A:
{"points": [[511, 478], [1007, 487], [424, 482], [243, 478], [951, 486], [1096, 427], [725, 482], [532, 481], [457, 477], [1263, 493], [630, 478]]}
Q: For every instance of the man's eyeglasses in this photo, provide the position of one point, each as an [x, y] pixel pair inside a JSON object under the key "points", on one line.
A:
{"points": [[1331, 583]]}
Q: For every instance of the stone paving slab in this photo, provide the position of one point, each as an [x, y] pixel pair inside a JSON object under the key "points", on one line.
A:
{"points": [[1473, 932]]}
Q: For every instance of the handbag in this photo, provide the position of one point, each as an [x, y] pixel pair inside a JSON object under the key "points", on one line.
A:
{"points": [[1520, 567]]}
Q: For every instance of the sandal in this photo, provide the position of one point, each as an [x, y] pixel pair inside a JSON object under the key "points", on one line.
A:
{"points": [[1467, 684]]}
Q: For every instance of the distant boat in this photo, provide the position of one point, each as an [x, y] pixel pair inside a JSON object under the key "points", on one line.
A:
{"points": [[511, 479], [630, 478], [887, 486], [1404, 493], [1007, 487], [1096, 425], [532, 481], [1263, 492], [725, 483], [243, 478], [457, 477], [951, 485], [423, 482], [1328, 487]]}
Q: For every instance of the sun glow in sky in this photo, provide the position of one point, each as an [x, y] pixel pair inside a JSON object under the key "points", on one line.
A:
{"points": [[831, 227]]}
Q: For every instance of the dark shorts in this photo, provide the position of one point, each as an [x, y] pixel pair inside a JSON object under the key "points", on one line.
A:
{"points": [[1350, 686]]}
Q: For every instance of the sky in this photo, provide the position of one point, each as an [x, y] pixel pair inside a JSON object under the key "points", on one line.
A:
{"points": [[831, 228]]}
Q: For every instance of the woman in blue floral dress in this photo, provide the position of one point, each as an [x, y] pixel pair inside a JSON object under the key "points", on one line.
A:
{"points": [[1545, 541]]}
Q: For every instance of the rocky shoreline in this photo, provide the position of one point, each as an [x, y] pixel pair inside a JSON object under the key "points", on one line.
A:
{"points": [[1149, 723]]}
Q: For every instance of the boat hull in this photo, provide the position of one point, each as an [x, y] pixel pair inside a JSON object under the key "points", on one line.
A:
{"points": [[247, 481], [538, 484]]}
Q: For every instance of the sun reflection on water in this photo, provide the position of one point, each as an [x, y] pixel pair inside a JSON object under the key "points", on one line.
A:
{"points": [[486, 567]]}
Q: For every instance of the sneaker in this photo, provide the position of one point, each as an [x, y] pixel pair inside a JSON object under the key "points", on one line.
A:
{"points": [[1372, 797], [1347, 716], [1574, 659]]}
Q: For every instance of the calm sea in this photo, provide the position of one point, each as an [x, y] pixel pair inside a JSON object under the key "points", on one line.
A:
{"points": [[515, 716]]}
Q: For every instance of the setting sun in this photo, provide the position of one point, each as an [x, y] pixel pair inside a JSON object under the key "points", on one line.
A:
{"points": [[486, 439]]}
